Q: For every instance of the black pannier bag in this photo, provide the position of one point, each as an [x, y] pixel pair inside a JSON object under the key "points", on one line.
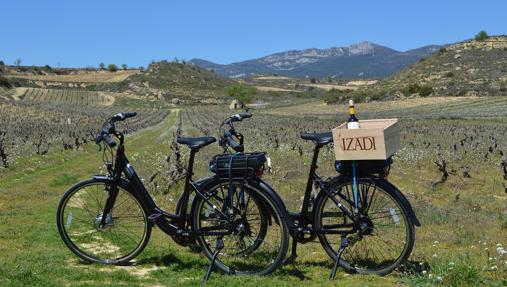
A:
{"points": [[238, 165], [364, 167]]}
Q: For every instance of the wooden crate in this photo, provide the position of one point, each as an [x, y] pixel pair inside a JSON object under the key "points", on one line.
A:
{"points": [[376, 139]]}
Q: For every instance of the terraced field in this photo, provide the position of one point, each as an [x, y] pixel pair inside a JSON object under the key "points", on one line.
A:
{"points": [[82, 77], [68, 97]]}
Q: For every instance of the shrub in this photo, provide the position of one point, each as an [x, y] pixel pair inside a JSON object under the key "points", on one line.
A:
{"points": [[423, 91], [481, 36], [242, 93], [442, 50], [5, 83], [449, 74], [335, 96], [313, 81], [2, 63], [112, 68], [47, 68]]}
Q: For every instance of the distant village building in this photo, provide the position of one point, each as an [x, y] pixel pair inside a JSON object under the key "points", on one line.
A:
{"points": [[235, 104]]}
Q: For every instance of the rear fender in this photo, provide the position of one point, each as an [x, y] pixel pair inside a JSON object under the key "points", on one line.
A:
{"points": [[257, 183], [405, 202]]}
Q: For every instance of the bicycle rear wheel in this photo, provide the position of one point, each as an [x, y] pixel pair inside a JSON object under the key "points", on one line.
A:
{"points": [[79, 214], [259, 240], [388, 238]]}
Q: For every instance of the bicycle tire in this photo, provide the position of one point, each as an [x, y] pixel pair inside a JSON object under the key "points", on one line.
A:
{"points": [[271, 215], [397, 212], [97, 242]]}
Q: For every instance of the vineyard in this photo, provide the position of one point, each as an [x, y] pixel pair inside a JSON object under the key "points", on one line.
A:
{"points": [[451, 169], [43, 122], [66, 97]]}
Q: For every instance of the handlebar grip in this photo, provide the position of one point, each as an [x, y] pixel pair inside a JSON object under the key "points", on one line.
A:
{"points": [[129, 115], [109, 141], [245, 115], [122, 116], [233, 143]]}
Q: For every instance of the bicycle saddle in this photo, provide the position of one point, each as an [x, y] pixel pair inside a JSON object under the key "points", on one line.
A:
{"points": [[318, 138], [196, 143]]}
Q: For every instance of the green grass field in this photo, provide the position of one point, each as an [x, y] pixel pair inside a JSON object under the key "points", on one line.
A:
{"points": [[458, 245]]}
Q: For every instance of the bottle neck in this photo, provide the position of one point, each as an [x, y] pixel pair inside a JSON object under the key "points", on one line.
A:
{"points": [[352, 111]]}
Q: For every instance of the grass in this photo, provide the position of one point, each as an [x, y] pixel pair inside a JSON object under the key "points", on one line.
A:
{"points": [[456, 231]]}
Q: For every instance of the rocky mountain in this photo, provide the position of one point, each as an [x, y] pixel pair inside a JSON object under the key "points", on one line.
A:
{"points": [[364, 59], [468, 68]]}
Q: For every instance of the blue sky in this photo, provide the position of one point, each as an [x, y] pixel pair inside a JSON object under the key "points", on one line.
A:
{"points": [[87, 32]]}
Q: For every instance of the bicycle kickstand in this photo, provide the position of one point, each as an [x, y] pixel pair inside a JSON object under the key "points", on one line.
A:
{"points": [[218, 248], [293, 256], [344, 243]]}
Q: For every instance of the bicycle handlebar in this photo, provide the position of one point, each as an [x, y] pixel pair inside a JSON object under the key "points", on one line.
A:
{"points": [[122, 116], [227, 138], [106, 131], [109, 141], [231, 142]]}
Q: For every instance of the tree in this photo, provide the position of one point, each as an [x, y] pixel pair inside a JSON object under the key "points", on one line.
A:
{"points": [[17, 62], [481, 36], [242, 93], [313, 81], [124, 67], [2, 63], [101, 66], [112, 68]]}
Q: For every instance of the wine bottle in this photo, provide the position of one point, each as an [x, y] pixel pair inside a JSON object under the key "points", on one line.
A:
{"points": [[353, 122]]}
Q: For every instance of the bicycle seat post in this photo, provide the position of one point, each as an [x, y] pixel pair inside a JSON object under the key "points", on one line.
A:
{"points": [[186, 191], [309, 184]]}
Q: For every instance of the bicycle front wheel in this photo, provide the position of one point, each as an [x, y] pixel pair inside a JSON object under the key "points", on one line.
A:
{"points": [[387, 235], [80, 212], [259, 238]]}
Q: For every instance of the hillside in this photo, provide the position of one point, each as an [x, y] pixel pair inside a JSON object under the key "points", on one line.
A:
{"points": [[363, 60], [468, 68], [171, 81]]}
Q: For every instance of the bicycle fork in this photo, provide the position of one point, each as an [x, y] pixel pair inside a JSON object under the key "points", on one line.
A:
{"points": [[112, 191]]}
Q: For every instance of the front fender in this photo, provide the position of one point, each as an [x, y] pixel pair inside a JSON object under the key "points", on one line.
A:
{"points": [[122, 182]]}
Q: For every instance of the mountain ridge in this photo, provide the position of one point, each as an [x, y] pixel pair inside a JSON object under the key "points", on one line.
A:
{"points": [[363, 59]]}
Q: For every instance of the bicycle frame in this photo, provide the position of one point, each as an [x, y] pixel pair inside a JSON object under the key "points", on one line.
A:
{"points": [[304, 217], [155, 214]]}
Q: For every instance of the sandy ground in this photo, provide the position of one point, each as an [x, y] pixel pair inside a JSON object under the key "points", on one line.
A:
{"points": [[328, 87], [264, 88], [88, 77]]}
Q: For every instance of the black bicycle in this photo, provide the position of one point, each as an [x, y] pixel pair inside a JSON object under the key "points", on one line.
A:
{"points": [[364, 223], [108, 219]]}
